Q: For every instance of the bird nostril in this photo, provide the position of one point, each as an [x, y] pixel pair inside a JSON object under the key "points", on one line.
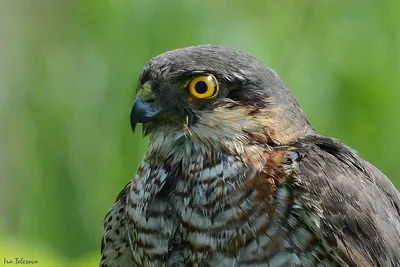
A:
{"points": [[149, 100]]}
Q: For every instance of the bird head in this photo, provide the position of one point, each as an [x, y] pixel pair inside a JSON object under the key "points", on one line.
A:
{"points": [[213, 92]]}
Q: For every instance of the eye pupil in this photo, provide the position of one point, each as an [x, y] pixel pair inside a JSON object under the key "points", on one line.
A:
{"points": [[201, 87]]}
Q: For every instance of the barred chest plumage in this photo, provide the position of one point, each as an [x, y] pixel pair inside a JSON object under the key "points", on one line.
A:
{"points": [[189, 206]]}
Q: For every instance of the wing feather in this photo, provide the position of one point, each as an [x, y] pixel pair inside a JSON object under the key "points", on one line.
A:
{"points": [[359, 206]]}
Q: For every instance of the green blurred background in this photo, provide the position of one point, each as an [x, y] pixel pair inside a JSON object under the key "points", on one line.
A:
{"points": [[68, 71]]}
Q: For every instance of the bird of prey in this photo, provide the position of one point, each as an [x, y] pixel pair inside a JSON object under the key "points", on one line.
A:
{"points": [[235, 175]]}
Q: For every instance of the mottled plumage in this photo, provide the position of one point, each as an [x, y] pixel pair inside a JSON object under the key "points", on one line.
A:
{"points": [[240, 178]]}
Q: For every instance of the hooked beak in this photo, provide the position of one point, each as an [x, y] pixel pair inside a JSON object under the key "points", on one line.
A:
{"points": [[141, 112]]}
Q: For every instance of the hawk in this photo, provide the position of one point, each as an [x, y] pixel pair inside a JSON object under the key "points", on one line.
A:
{"points": [[235, 175]]}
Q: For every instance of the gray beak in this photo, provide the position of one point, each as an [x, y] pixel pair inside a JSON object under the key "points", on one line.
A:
{"points": [[141, 112]]}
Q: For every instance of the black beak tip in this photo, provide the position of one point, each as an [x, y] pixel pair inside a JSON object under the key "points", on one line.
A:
{"points": [[133, 125]]}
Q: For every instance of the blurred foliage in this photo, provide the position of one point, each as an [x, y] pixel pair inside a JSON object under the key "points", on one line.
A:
{"points": [[68, 72]]}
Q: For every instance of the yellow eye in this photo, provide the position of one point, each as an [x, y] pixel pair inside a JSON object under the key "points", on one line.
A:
{"points": [[204, 86]]}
